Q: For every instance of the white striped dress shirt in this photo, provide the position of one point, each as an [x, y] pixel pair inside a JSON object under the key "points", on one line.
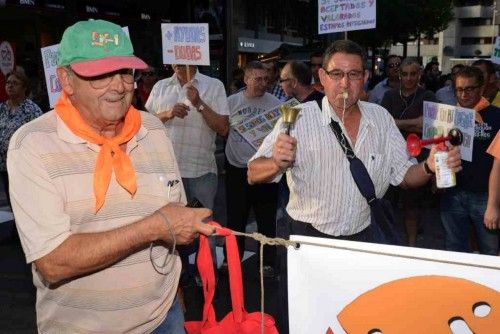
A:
{"points": [[322, 190]]}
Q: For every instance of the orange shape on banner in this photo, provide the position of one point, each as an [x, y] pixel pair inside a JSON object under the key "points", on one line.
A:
{"points": [[423, 304]]}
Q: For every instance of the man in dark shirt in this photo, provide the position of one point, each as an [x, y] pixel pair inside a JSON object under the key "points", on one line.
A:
{"points": [[295, 79], [466, 202], [406, 106]]}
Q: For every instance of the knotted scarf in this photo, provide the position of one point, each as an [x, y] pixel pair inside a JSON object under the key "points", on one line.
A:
{"points": [[111, 157]]}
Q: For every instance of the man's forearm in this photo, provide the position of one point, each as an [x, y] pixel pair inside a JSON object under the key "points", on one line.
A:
{"points": [[164, 116], [84, 253], [262, 170], [410, 125], [216, 122], [415, 177], [494, 184]]}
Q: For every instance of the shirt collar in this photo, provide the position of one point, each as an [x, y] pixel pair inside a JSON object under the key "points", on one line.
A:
{"points": [[327, 113]]}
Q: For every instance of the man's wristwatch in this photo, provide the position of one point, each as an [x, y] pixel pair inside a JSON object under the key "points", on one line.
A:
{"points": [[201, 107], [427, 169]]}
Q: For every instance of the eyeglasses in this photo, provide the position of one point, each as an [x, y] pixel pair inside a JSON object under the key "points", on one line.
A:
{"points": [[104, 80], [148, 74], [260, 79], [393, 65], [338, 75], [468, 90], [285, 80]]}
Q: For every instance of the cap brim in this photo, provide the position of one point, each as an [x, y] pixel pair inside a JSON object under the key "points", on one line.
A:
{"points": [[91, 68]]}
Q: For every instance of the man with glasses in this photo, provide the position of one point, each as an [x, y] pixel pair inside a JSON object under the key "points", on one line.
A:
{"points": [[324, 199], [446, 94], [392, 63], [96, 195], [240, 196], [466, 203], [316, 61]]}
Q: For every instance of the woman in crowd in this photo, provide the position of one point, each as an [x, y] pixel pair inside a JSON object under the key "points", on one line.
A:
{"points": [[14, 112]]}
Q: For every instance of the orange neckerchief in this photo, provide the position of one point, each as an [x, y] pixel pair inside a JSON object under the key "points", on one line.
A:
{"points": [[482, 104], [111, 156]]}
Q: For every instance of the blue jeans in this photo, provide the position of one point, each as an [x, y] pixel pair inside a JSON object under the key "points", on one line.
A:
{"points": [[174, 321], [204, 189], [460, 208]]}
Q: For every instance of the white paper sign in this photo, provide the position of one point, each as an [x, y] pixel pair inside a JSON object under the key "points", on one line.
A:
{"points": [[440, 118], [336, 16], [185, 43], [495, 56], [342, 284], [255, 129], [49, 59]]}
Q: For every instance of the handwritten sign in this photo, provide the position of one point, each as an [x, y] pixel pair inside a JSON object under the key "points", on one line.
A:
{"points": [[255, 129], [185, 43], [336, 16], [495, 56], [357, 287], [440, 118], [49, 59]]}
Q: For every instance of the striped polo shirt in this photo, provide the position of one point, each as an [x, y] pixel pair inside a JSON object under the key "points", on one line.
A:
{"points": [[51, 184], [322, 190]]}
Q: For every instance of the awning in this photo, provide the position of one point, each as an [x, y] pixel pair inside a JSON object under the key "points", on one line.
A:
{"points": [[254, 45]]}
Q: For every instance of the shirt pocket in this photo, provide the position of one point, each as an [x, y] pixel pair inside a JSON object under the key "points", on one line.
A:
{"points": [[375, 163], [171, 184]]}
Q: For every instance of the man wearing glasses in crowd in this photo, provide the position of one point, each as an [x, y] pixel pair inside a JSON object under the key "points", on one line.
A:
{"points": [[392, 63], [92, 216], [324, 200], [466, 203]]}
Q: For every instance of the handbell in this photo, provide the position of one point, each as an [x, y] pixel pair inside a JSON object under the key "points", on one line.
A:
{"points": [[289, 115]]}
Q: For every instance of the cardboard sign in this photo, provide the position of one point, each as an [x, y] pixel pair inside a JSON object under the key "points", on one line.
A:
{"points": [[185, 43], [256, 128], [337, 16], [337, 286], [440, 118], [495, 56]]}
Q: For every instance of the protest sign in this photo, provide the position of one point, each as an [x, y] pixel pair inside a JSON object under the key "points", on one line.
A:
{"points": [[185, 43], [337, 16], [440, 118], [7, 58], [255, 128], [338, 286]]}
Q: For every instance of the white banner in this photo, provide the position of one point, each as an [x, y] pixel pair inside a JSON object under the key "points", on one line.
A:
{"points": [[185, 43], [337, 16], [7, 58], [495, 56], [440, 118], [353, 287]]}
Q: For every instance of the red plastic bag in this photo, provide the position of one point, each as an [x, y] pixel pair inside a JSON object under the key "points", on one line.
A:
{"points": [[238, 321]]}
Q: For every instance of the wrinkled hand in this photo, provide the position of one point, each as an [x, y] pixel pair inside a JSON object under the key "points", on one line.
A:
{"points": [[193, 95], [178, 110], [186, 223], [454, 160], [284, 150], [492, 217]]}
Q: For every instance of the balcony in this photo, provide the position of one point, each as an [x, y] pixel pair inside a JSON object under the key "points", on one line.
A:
{"points": [[473, 12]]}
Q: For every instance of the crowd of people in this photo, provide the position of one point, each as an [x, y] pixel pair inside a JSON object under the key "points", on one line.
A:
{"points": [[99, 185]]}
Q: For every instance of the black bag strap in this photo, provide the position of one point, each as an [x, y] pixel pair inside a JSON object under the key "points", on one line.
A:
{"points": [[358, 169]]}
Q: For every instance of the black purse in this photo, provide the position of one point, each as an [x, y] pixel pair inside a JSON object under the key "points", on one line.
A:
{"points": [[383, 224]]}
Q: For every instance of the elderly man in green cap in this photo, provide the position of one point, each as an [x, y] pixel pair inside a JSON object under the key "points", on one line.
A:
{"points": [[97, 197]]}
